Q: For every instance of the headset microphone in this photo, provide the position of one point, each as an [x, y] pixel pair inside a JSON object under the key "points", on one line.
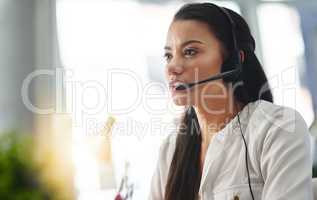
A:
{"points": [[216, 77]]}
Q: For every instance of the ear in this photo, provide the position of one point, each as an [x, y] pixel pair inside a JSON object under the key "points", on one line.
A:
{"points": [[242, 56]]}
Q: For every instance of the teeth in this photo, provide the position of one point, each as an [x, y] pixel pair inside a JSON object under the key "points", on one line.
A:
{"points": [[178, 84]]}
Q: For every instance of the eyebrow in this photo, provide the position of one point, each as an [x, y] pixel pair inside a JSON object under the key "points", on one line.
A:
{"points": [[184, 44]]}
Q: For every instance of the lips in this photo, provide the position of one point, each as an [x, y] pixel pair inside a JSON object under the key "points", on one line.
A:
{"points": [[174, 84]]}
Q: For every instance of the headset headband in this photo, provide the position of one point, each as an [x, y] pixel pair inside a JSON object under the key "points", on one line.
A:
{"points": [[233, 27]]}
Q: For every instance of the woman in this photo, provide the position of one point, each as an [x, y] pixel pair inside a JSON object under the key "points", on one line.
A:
{"points": [[233, 142]]}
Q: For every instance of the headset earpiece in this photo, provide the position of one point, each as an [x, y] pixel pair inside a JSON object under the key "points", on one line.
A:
{"points": [[232, 63]]}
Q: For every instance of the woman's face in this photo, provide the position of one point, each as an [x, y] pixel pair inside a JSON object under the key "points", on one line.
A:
{"points": [[193, 53]]}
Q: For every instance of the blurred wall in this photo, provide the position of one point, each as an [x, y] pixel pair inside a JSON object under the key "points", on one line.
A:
{"points": [[17, 59], [28, 42]]}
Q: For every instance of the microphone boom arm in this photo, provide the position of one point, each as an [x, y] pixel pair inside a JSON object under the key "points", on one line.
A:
{"points": [[218, 76]]}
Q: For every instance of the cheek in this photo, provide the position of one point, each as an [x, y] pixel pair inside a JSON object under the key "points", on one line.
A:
{"points": [[205, 67], [167, 74]]}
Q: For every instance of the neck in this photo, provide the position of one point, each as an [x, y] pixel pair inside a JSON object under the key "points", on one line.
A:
{"points": [[214, 116]]}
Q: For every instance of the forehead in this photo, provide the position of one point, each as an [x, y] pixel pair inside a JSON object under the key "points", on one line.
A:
{"points": [[183, 30]]}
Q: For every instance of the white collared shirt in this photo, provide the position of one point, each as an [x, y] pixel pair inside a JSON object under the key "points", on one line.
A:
{"points": [[279, 158]]}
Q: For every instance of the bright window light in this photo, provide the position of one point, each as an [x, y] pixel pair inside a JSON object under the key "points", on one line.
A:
{"points": [[283, 56], [98, 38]]}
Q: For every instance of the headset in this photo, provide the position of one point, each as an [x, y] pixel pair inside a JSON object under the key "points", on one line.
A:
{"points": [[229, 76]]}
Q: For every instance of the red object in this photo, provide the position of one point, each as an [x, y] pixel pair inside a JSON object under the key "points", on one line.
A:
{"points": [[118, 197]]}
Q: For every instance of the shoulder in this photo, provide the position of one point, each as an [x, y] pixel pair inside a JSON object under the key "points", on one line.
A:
{"points": [[167, 149], [268, 116], [277, 126], [283, 151]]}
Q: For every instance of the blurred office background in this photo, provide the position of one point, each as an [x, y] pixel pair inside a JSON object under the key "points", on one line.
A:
{"points": [[70, 68]]}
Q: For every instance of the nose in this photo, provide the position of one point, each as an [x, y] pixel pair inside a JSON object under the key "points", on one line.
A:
{"points": [[175, 67]]}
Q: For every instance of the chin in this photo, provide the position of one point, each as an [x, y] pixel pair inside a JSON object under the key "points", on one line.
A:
{"points": [[180, 101]]}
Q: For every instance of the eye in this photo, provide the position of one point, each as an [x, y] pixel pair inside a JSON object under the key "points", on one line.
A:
{"points": [[190, 52], [167, 56]]}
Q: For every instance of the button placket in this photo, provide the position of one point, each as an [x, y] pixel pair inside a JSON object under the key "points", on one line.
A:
{"points": [[216, 147]]}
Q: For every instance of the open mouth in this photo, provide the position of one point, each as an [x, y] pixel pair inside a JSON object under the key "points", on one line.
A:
{"points": [[174, 84]]}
